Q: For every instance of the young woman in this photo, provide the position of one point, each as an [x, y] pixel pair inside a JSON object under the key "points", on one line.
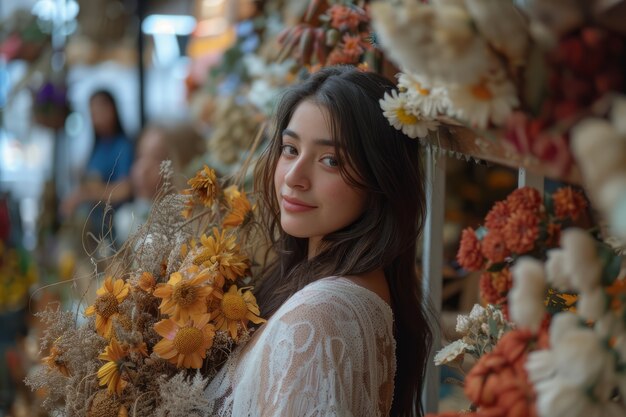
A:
{"points": [[106, 176], [343, 199], [108, 169]]}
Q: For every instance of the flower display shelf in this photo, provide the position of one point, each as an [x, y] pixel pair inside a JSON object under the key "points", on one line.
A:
{"points": [[464, 143]]}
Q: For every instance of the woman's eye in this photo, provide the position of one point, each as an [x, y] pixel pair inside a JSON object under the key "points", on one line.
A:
{"points": [[288, 150], [330, 162]]}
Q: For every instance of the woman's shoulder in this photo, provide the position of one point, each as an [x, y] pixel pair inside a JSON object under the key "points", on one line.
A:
{"points": [[334, 298]]}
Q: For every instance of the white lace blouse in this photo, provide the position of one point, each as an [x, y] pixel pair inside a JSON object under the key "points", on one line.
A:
{"points": [[328, 351]]}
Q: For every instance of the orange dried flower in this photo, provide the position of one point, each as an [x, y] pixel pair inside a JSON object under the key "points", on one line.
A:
{"points": [[498, 384], [344, 17], [470, 256], [568, 203], [521, 231], [352, 46], [498, 216], [337, 56], [493, 247], [54, 361], [204, 186], [617, 288], [487, 292], [495, 286], [525, 198], [146, 282]]}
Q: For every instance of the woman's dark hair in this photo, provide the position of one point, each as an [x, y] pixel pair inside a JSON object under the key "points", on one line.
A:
{"points": [[388, 167], [107, 96]]}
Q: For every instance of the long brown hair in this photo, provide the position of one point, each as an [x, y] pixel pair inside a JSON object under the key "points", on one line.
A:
{"points": [[388, 167]]}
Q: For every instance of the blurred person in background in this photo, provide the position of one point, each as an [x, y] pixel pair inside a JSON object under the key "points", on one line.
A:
{"points": [[107, 174], [180, 143]]}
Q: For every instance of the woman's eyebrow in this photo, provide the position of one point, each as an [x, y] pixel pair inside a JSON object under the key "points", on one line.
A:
{"points": [[320, 142]]}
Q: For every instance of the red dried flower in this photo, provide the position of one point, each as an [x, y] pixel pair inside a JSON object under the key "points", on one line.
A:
{"points": [[525, 198], [494, 247], [497, 216], [469, 255], [521, 231], [568, 203]]}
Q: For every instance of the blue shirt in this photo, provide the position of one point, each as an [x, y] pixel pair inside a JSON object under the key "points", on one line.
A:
{"points": [[111, 158]]}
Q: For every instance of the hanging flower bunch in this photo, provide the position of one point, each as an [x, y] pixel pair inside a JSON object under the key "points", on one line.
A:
{"points": [[171, 309], [523, 224], [531, 71], [333, 32]]}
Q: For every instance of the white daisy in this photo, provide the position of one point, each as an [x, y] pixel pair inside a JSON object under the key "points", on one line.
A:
{"points": [[430, 99], [404, 117], [492, 99]]}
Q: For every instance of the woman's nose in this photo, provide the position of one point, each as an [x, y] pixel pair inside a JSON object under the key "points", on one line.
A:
{"points": [[298, 175]]}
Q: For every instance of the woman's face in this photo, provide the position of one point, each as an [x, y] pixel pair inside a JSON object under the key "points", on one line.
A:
{"points": [[314, 198], [102, 116]]}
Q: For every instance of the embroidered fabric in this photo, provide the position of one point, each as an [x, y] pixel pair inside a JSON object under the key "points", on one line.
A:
{"points": [[328, 351]]}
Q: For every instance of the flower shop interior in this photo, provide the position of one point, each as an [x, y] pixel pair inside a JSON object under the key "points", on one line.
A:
{"points": [[522, 254]]}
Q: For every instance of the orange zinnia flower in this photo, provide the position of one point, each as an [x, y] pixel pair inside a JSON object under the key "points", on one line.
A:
{"points": [[184, 299], [493, 247], [568, 203], [494, 286], [185, 346], [110, 296], [469, 255], [521, 231], [497, 217], [110, 373], [525, 198], [236, 309], [498, 382]]}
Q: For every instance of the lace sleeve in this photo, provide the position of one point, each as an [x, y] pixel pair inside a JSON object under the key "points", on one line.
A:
{"points": [[329, 351]]}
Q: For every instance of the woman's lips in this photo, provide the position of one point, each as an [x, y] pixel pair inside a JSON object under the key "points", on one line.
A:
{"points": [[295, 205]]}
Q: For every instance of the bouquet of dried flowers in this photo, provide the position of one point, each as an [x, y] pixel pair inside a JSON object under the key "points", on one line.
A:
{"points": [[170, 308]]}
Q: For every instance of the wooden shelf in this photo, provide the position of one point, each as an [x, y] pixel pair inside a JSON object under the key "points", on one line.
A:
{"points": [[462, 142]]}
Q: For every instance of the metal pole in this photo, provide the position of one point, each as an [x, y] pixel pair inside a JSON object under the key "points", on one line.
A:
{"points": [[528, 179], [432, 261], [141, 14]]}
